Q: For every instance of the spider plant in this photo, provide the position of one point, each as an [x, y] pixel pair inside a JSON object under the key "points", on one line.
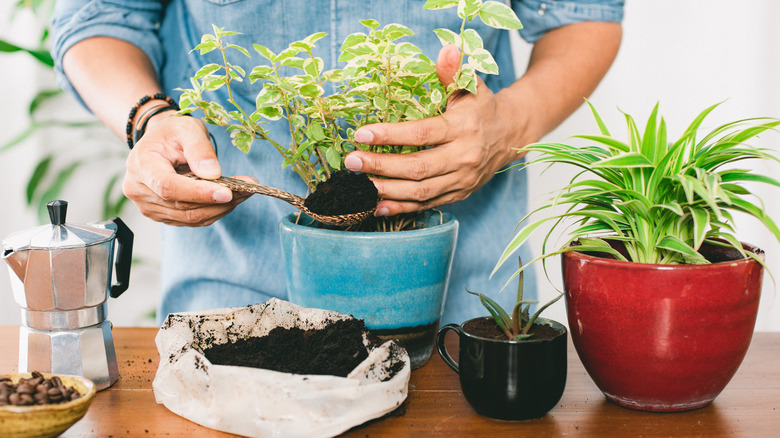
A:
{"points": [[661, 199]]}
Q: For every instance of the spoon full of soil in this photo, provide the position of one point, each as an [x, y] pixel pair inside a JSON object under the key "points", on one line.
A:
{"points": [[346, 198]]}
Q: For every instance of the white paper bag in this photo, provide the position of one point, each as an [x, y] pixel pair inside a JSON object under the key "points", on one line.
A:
{"points": [[264, 403]]}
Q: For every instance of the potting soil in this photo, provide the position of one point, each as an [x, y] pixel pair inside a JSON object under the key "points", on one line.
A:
{"points": [[487, 328]]}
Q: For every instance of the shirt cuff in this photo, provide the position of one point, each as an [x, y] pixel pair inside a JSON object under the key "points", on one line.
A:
{"points": [[540, 16]]}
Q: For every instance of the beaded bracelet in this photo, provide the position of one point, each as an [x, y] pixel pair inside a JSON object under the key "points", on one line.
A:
{"points": [[134, 110], [139, 132]]}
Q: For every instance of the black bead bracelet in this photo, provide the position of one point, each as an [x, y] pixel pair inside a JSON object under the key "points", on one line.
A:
{"points": [[134, 110]]}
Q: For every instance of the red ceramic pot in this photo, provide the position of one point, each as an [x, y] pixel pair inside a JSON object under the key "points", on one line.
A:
{"points": [[662, 338]]}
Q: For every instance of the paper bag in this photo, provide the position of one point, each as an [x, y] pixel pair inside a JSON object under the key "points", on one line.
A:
{"points": [[264, 403]]}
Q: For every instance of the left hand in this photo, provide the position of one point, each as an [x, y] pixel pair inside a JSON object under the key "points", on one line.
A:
{"points": [[470, 142]]}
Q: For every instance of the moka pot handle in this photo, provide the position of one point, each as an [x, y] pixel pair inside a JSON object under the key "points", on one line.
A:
{"points": [[124, 257]]}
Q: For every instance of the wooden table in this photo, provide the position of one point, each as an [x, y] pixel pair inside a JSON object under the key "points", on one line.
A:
{"points": [[748, 407]]}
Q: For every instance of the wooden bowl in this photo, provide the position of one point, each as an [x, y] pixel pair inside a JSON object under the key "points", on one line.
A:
{"points": [[46, 420]]}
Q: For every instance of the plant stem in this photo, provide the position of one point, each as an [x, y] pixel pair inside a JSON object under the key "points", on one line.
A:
{"points": [[388, 72], [255, 127]]}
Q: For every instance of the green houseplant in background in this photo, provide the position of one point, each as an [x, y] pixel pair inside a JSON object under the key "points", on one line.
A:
{"points": [[58, 165], [384, 78], [661, 296], [62, 144], [511, 366]]}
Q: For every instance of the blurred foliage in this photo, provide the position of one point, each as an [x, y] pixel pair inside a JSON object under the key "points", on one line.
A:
{"points": [[57, 168]]}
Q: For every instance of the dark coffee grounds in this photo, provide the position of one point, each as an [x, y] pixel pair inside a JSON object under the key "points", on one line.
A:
{"points": [[334, 350], [344, 192], [487, 328]]}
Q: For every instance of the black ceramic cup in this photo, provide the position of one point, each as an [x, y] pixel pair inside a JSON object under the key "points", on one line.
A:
{"points": [[509, 380]]}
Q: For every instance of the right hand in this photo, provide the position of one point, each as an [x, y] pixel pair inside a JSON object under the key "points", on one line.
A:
{"points": [[174, 144]]}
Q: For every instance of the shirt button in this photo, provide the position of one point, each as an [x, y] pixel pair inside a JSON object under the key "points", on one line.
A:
{"points": [[542, 9]]}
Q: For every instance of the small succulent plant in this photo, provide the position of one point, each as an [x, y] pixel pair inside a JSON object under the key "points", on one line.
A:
{"points": [[516, 325]]}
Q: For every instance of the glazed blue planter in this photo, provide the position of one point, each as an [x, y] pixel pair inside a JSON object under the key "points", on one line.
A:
{"points": [[396, 282]]}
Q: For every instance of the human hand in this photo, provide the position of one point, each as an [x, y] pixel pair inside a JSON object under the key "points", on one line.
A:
{"points": [[171, 145], [470, 142]]}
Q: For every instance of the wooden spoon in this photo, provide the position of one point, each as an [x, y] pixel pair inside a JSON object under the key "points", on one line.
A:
{"points": [[238, 185]]}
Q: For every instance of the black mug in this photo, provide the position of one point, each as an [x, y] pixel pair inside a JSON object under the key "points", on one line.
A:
{"points": [[509, 380]]}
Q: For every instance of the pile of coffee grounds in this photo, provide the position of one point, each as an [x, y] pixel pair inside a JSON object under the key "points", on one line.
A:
{"points": [[333, 350], [345, 192]]}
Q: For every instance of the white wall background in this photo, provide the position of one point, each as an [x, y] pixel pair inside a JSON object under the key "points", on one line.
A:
{"points": [[686, 55]]}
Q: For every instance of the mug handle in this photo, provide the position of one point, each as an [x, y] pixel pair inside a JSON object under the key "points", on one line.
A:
{"points": [[445, 355]]}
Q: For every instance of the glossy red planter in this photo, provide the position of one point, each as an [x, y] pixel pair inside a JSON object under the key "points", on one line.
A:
{"points": [[661, 338]]}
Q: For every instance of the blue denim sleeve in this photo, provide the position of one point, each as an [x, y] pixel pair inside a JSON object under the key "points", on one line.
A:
{"points": [[134, 21], [540, 16]]}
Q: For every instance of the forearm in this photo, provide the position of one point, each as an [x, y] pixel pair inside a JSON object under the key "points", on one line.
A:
{"points": [[565, 67], [110, 75]]}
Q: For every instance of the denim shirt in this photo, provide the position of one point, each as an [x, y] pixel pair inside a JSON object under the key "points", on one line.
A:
{"points": [[237, 260]]}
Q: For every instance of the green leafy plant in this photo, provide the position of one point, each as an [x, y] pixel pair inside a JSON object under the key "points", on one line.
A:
{"points": [[517, 325], [384, 79], [661, 199]]}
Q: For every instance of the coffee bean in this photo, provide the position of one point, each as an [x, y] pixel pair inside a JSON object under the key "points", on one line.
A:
{"points": [[35, 390], [26, 400], [25, 388]]}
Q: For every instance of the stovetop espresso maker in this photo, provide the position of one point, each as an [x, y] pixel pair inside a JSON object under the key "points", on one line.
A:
{"points": [[61, 278]]}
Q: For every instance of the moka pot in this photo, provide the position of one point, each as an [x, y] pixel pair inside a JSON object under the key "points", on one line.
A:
{"points": [[61, 277]]}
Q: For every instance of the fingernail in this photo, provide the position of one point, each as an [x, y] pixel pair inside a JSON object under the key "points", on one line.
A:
{"points": [[364, 135], [222, 196], [208, 168], [353, 163], [382, 211]]}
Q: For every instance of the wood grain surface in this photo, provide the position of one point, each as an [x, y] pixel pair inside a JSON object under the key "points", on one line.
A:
{"points": [[748, 407]]}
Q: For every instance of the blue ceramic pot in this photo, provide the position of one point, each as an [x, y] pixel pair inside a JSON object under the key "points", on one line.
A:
{"points": [[396, 282]]}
